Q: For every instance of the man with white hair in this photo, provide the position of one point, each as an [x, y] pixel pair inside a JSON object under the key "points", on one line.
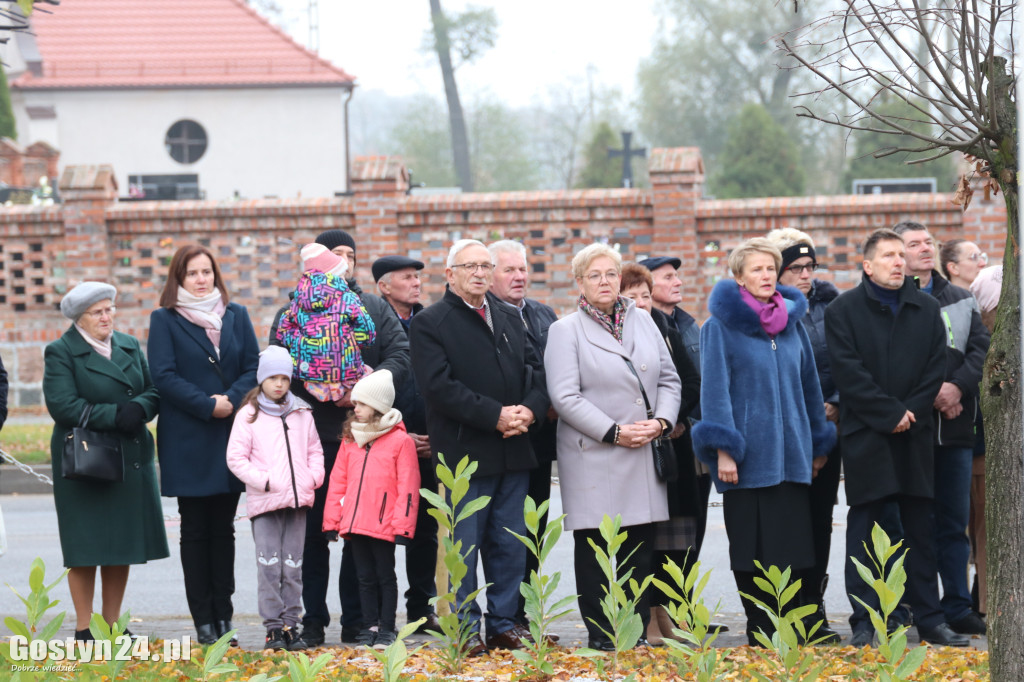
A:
{"points": [[511, 278], [484, 389]]}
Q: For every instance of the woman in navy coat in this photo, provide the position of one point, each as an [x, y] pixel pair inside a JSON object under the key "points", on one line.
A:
{"points": [[203, 356]]}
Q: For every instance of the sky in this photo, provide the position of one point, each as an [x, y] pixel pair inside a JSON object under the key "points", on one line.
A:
{"points": [[542, 44]]}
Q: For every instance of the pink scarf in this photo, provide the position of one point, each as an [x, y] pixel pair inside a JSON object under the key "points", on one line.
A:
{"points": [[104, 347], [206, 312], [773, 314]]}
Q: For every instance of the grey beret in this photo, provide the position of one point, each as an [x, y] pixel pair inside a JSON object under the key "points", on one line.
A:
{"points": [[78, 300]]}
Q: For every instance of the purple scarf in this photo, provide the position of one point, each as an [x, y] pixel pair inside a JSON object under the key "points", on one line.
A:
{"points": [[773, 314]]}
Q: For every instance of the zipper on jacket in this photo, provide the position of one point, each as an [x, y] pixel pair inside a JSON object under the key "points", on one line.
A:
{"points": [[383, 504], [408, 505], [291, 467], [359, 490], [774, 347]]}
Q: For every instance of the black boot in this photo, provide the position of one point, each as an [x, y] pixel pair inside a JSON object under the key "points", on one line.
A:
{"points": [[223, 627], [206, 634]]}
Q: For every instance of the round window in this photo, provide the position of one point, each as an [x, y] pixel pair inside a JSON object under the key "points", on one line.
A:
{"points": [[185, 141]]}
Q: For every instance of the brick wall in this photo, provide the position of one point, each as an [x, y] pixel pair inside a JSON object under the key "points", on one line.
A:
{"points": [[45, 250]]}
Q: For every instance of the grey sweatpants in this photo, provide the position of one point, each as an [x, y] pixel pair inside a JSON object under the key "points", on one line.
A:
{"points": [[279, 537]]}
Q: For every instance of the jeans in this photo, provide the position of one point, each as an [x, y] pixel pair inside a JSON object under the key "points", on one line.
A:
{"points": [[208, 555], [504, 557], [540, 491], [952, 512]]}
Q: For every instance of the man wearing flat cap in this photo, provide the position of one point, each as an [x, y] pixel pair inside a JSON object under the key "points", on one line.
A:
{"points": [[398, 281], [389, 351]]}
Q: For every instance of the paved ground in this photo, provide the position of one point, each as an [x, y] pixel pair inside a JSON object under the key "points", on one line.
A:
{"points": [[156, 595]]}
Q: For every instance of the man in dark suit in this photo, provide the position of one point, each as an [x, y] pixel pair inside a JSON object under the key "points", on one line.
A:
{"points": [[511, 278], [484, 387], [886, 345]]}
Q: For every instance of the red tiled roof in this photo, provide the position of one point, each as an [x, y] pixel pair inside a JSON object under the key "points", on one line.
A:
{"points": [[168, 43]]}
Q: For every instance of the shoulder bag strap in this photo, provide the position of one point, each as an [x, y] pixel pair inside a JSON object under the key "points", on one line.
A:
{"points": [[84, 419], [647, 403]]}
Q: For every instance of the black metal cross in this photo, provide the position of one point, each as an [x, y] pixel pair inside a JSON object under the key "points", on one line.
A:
{"points": [[627, 153]]}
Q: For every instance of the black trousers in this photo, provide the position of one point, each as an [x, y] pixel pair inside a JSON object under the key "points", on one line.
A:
{"points": [[922, 586], [824, 488], [591, 583], [758, 619], [704, 490], [540, 491], [421, 553], [208, 555], [374, 561], [316, 562]]}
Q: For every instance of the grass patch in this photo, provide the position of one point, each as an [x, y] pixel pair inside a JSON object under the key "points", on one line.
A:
{"points": [[28, 443]]}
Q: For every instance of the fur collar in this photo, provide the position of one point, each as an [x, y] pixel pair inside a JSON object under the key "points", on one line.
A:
{"points": [[726, 304]]}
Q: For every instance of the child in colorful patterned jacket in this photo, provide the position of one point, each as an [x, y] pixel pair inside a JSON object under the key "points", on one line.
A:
{"points": [[325, 326]]}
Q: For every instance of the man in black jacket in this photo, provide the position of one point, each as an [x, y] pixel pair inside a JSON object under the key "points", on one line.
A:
{"points": [[398, 281], [3, 394], [389, 351], [887, 351], [956, 408], [484, 387], [511, 278]]}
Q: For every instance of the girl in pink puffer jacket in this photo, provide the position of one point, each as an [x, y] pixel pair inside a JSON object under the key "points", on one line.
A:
{"points": [[275, 450], [373, 499]]}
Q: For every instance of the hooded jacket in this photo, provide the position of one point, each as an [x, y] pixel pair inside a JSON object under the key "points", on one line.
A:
{"points": [[967, 342], [284, 452], [374, 489], [822, 293], [760, 397]]}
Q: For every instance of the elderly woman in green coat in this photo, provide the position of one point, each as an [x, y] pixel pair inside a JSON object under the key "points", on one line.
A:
{"points": [[110, 525]]}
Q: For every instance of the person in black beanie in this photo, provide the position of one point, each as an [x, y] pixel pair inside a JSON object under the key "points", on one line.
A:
{"points": [[390, 351]]}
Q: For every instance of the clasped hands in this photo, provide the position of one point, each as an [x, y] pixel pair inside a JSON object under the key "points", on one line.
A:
{"points": [[514, 420], [639, 434]]}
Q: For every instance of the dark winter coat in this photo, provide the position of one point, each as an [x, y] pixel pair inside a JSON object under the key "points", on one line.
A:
{"points": [[191, 442], [760, 397], [539, 318], [104, 524], [885, 365], [467, 373], [3, 394], [389, 351], [967, 342], [822, 293], [408, 399]]}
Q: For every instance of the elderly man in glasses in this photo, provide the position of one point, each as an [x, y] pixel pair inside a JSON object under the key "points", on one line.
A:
{"points": [[484, 388]]}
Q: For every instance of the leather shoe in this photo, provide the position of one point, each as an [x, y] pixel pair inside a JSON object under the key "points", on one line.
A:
{"points": [[511, 639], [721, 627], [431, 623], [826, 636], [862, 638], [206, 634], [222, 627], [942, 635], [971, 624], [475, 646], [600, 644]]}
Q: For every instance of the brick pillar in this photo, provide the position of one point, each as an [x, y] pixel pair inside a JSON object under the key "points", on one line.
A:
{"points": [[677, 183], [87, 191], [11, 162], [379, 184]]}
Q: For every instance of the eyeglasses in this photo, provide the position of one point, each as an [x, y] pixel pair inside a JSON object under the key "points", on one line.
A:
{"points": [[473, 268], [799, 269], [980, 257], [97, 314], [595, 277]]}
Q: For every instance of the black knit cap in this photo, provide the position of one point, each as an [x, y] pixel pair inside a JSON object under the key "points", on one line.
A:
{"points": [[332, 239], [797, 251]]}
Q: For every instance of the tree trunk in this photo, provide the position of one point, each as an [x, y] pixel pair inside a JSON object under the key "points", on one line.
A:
{"points": [[1004, 467], [456, 120]]}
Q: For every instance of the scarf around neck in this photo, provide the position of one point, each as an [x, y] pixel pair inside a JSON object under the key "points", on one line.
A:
{"points": [[205, 311], [773, 314], [612, 323], [364, 433], [277, 409], [102, 347]]}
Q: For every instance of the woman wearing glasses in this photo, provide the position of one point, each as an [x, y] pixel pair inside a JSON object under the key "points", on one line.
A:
{"points": [[109, 525], [799, 262], [204, 356], [604, 363], [961, 261]]}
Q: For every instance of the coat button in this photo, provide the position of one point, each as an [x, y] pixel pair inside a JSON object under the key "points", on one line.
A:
{"points": [[643, 368], [136, 465], [130, 392], [639, 401], [136, 441]]}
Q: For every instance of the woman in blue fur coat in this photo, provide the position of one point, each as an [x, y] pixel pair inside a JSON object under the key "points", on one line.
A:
{"points": [[763, 429]]}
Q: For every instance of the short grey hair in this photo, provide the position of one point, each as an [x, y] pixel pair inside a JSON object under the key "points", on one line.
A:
{"points": [[506, 246], [738, 256], [459, 246], [582, 260], [385, 278]]}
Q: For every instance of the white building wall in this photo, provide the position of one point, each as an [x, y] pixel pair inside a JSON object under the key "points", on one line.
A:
{"points": [[262, 142]]}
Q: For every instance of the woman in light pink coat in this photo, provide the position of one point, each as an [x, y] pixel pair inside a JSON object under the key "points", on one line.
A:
{"points": [[275, 450]]}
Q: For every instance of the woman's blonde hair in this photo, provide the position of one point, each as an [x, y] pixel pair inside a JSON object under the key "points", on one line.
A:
{"points": [[582, 260], [785, 237], [738, 256]]}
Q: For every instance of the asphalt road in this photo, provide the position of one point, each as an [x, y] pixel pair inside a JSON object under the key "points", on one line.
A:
{"points": [[156, 595]]}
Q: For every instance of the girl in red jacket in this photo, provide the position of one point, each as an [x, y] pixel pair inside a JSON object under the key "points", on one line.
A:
{"points": [[275, 450], [372, 500]]}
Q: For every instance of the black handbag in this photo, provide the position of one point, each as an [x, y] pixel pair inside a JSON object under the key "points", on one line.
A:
{"points": [[91, 455], [664, 453]]}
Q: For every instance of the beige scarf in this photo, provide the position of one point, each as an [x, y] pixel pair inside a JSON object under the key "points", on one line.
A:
{"points": [[366, 433], [206, 312], [102, 347]]}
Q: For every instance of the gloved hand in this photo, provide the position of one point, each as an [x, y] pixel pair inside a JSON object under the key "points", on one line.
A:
{"points": [[129, 417], [331, 535]]}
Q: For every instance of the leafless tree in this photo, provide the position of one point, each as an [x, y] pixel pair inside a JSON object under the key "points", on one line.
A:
{"points": [[954, 65]]}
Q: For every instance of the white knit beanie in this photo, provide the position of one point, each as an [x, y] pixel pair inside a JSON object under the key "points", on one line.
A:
{"points": [[376, 390], [319, 257], [273, 361]]}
